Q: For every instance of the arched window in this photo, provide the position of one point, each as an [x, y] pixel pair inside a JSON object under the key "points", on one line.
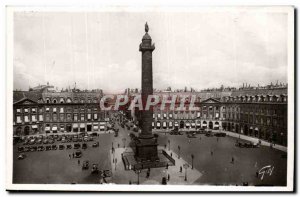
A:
{"points": [[69, 100], [62, 100]]}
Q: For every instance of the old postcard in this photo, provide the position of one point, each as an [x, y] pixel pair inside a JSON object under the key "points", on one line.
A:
{"points": [[150, 99]]}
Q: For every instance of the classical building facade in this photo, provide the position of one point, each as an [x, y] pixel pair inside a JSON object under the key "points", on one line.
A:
{"points": [[259, 112], [40, 111]]}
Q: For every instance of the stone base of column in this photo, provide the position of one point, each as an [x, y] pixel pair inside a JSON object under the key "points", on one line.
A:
{"points": [[146, 150]]}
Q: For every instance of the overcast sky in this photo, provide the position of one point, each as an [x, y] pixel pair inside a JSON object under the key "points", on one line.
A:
{"points": [[100, 50]]}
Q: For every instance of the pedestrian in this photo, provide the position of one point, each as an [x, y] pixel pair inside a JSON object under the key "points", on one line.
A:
{"points": [[167, 166], [232, 160], [168, 177], [118, 145], [165, 146], [217, 139], [180, 169], [78, 161], [69, 156], [211, 153], [129, 182], [256, 174], [73, 155], [171, 154]]}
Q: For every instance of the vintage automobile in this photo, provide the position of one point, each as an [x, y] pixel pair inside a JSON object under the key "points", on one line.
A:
{"points": [[20, 149], [51, 141], [54, 147], [76, 146], [39, 141], [48, 148], [33, 148], [95, 169], [96, 144], [27, 149], [45, 141], [84, 146], [40, 148], [21, 156], [85, 165], [61, 147], [78, 154], [69, 146]]}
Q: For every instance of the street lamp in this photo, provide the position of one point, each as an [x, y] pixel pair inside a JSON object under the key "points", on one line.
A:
{"points": [[192, 161], [178, 152], [138, 173], [185, 166], [115, 164], [169, 144]]}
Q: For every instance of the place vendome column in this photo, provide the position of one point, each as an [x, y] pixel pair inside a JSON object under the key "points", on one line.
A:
{"points": [[146, 145]]}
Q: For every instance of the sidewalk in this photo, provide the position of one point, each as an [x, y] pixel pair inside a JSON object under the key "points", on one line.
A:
{"points": [[122, 176], [254, 140]]}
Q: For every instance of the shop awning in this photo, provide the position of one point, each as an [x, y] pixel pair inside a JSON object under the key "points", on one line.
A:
{"points": [[176, 124], [75, 125], [34, 126], [82, 125], [102, 123], [170, 124], [198, 124], [193, 124], [256, 129], [187, 124], [204, 124], [47, 128], [95, 127], [102, 127]]}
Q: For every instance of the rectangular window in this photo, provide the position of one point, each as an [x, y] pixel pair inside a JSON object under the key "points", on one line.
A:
{"points": [[54, 117], [47, 117], [33, 118], [62, 117], [61, 110], [82, 117], [19, 119], [69, 117], [26, 110], [47, 109], [75, 117], [33, 110], [95, 117], [18, 110], [41, 118], [26, 119], [89, 116], [54, 109]]}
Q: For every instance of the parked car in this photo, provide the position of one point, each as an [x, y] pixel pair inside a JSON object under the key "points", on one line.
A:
{"points": [[76, 146], [69, 146], [84, 146], [20, 149], [54, 147], [51, 141], [48, 148], [45, 141], [33, 148], [95, 169], [27, 149], [61, 147], [85, 165], [96, 144], [78, 154], [40, 148], [21, 156]]}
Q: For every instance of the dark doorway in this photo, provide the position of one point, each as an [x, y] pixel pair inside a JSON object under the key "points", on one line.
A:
{"points": [[210, 125], [26, 130], [181, 124]]}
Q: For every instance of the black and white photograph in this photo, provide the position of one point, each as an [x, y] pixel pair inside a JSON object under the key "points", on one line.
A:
{"points": [[150, 99]]}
